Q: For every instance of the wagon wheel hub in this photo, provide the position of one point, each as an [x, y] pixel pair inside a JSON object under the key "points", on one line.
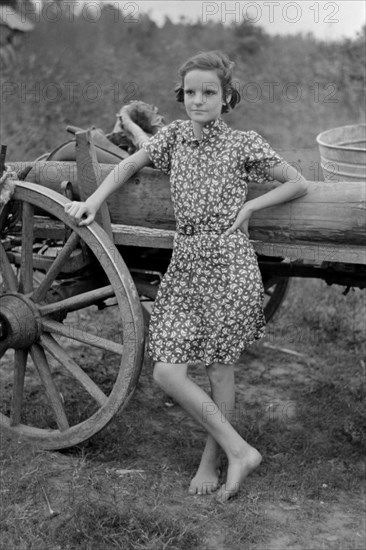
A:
{"points": [[20, 323]]}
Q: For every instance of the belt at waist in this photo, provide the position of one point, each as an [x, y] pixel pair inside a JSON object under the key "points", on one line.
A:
{"points": [[191, 229]]}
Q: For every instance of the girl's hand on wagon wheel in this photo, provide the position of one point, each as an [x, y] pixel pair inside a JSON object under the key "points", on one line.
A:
{"points": [[241, 222], [81, 213]]}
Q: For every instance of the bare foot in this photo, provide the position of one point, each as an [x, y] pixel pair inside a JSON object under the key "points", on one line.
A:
{"points": [[205, 481], [238, 470]]}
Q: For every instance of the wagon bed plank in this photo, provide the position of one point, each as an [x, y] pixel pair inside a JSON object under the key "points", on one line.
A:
{"points": [[313, 252], [329, 222], [132, 235], [135, 235], [129, 235], [331, 212]]}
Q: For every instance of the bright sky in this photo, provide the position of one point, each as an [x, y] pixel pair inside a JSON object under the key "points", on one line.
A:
{"points": [[325, 19]]}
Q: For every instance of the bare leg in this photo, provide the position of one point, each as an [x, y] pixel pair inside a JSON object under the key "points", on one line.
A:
{"points": [[241, 456], [222, 382]]}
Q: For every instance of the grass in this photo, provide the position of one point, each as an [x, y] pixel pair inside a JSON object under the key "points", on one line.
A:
{"points": [[313, 463], [134, 529]]}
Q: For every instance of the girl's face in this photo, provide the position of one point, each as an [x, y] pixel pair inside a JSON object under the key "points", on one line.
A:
{"points": [[203, 98]]}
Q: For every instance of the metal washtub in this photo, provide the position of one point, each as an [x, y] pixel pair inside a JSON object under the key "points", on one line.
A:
{"points": [[343, 153]]}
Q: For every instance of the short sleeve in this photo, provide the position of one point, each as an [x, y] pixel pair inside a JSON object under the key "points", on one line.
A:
{"points": [[259, 156], [159, 148]]}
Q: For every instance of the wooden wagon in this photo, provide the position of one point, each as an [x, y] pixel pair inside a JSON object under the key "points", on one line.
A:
{"points": [[58, 281]]}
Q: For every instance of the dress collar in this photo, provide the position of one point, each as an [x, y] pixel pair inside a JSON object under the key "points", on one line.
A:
{"points": [[209, 130]]}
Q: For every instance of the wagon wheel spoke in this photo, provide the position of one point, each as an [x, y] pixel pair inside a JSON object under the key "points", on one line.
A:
{"points": [[3, 349], [7, 271], [270, 286], [79, 301], [55, 268], [26, 260], [42, 366], [58, 352], [81, 336], [4, 212], [275, 288], [20, 362]]}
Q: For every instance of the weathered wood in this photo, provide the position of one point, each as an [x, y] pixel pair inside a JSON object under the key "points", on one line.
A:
{"points": [[54, 398], [20, 362], [51, 173], [313, 252], [26, 261], [106, 151], [78, 260], [53, 347], [77, 301], [70, 331], [331, 213], [89, 177], [102, 144], [56, 267], [133, 235], [130, 235], [7, 272]]}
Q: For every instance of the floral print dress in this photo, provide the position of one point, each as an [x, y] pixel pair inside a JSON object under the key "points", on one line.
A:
{"points": [[209, 306]]}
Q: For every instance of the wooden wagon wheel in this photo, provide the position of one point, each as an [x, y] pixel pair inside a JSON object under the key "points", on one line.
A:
{"points": [[275, 290], [37, 339]]}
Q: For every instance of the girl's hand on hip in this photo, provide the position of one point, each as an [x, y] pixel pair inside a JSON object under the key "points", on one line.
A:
{"points": [[241, 222], [81, 213]]}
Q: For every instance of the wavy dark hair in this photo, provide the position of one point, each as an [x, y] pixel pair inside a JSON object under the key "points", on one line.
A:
{"points": [[211, 61]]}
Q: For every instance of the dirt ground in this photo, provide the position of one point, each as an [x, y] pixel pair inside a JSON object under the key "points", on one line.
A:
{"points": [[294, 403]]}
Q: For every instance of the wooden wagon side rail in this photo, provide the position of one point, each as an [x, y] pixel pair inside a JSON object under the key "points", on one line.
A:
{"points": [[329, 223], [132, 235]]}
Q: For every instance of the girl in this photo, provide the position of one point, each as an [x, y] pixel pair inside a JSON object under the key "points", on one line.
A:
{"points": [[209, 307]]}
